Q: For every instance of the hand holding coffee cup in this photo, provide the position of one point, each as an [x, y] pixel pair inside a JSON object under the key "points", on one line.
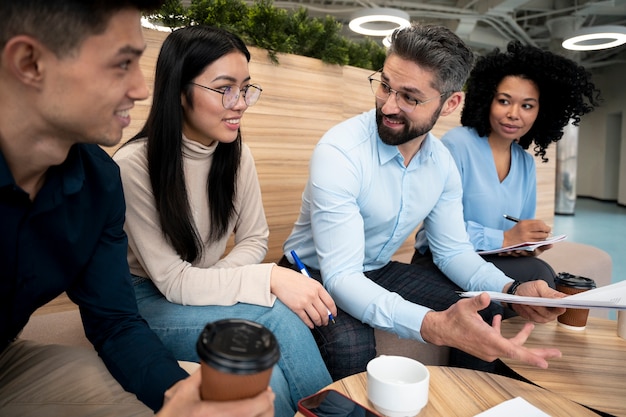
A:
{"points": [[573, 318], [236, 359], [397, 386]]}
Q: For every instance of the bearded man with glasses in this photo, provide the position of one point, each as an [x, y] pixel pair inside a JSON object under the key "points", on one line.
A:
{"points": [[373, 179]]}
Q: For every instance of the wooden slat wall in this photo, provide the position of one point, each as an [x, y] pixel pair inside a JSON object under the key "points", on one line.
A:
{"points": [[302, 98]]}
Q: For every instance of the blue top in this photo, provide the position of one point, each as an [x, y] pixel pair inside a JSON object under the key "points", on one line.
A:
{"points": [[485, 199], [361, 203], [71, 239]]}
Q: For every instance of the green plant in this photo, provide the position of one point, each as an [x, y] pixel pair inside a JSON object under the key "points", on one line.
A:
{"points": [[172, 14], [278, 31]]}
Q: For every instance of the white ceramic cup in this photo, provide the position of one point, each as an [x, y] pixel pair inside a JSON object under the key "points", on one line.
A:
{"points": [[621, 323], [397, 386]]}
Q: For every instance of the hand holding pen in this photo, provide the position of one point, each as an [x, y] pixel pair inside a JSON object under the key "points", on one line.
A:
{"points": [[531, 230], [305, 272], [511, 218]]}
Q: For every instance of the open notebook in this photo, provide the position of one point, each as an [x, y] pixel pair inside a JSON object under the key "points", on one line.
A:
{"points": [[609, 296], [529, 246]]}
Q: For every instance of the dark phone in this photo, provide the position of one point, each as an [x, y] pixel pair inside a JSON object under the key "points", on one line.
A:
{"points": [[331, 403]]}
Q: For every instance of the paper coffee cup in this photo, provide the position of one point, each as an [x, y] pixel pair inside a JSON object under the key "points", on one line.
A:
{"points": [[236, 359], [573, 318]]}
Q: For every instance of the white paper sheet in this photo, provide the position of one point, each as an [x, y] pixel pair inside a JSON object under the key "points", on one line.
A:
{"points": [[609, 296], [516, 407]]}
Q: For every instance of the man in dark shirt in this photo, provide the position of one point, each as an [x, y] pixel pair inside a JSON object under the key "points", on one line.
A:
{"points": [[69, 74]]}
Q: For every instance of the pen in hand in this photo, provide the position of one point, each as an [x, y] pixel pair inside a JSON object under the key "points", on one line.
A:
{"points": [[304, 272], [511, 218]]}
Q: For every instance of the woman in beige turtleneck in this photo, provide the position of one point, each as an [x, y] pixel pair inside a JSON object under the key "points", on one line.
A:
{"points": [[190, 183]]}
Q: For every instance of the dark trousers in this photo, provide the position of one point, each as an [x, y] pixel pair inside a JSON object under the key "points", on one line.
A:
{"points": [[349, 344], [523, 268]]}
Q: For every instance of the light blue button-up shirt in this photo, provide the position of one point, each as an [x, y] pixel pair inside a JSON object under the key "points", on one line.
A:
{"points": [[361, 203], [485, 198]]}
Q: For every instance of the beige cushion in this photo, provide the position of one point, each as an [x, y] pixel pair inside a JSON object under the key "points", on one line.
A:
{"points": [[63, 328]]}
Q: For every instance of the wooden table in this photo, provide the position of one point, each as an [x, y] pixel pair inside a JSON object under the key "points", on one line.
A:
{"points": [[456, 392], [592, 370]]}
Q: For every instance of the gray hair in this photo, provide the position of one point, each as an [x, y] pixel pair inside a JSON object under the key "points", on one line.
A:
{"points": [[437, 49]]}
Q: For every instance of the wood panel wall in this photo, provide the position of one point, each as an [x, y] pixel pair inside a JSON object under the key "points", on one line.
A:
{"points": [[302, 98]]}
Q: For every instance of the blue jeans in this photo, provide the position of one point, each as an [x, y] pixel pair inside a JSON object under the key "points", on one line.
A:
{"points": [[300, 370]]}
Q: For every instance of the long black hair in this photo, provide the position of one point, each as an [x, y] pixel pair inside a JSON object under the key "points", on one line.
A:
{"points": [[185, 54], [566, 92]]}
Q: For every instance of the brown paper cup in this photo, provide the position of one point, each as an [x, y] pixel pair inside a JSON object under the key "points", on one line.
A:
{"points": [[236, 359], [222, 386], [573, 318]]}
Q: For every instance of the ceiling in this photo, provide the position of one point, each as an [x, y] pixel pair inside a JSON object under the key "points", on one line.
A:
{"points": [[485, 24]]}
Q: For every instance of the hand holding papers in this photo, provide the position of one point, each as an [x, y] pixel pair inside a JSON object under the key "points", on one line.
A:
{"points": [[528, 246], [609, 296]]}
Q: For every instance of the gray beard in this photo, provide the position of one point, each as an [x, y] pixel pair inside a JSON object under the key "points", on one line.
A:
{"points": [[392, 138]]}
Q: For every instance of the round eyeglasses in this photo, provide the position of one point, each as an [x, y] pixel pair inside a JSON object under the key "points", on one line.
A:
{"points": [[230, 95], [405, 101]]}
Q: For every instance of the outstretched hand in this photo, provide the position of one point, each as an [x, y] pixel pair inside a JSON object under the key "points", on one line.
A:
{"points": [[461, 327]]}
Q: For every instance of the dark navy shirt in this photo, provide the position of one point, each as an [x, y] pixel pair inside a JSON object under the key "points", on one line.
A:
{"points": [[71, 238]]}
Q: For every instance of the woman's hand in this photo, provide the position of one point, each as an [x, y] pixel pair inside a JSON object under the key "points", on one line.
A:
{"points": [[526, 231], [303, 295]]}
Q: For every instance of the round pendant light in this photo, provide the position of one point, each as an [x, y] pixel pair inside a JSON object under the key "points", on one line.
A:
{"points": [[378, 21], [596, 37]]}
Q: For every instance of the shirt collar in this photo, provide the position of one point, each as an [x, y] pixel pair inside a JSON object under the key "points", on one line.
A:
{"points": [[6, 178], [64, 179], [72, 170], [388, 152], [196, 150]]}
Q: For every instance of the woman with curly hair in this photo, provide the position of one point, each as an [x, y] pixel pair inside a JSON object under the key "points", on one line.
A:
{"points": [[514, 99]]}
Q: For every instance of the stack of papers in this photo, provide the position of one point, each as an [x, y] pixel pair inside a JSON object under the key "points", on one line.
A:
{"points": [[517, 407], [529, 246], [609, 296]]}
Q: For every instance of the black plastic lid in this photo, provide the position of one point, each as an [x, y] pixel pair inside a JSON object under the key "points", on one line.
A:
{"points": [[574, 281], [238, 346]]}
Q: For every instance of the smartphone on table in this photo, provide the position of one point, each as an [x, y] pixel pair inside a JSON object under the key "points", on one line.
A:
{"points": [[332, 403]]}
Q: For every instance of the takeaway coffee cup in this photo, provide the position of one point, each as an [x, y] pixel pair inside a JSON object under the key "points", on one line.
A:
{"points": [[573, 318], [397, 386], [236, 359]]}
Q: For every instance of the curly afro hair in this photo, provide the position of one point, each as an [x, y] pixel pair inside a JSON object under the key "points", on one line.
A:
{"points": [[566, 92]]}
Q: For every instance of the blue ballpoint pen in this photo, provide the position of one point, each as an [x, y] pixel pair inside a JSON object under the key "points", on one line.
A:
{"points": [[304, 272]]}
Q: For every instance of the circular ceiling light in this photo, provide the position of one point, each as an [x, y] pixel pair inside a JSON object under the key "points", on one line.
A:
{"points": [[146, 23], [596, 37], [379, 21]]}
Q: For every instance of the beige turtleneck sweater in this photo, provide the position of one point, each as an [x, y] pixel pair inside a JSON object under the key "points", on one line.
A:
{"points": [[217, 278]]}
